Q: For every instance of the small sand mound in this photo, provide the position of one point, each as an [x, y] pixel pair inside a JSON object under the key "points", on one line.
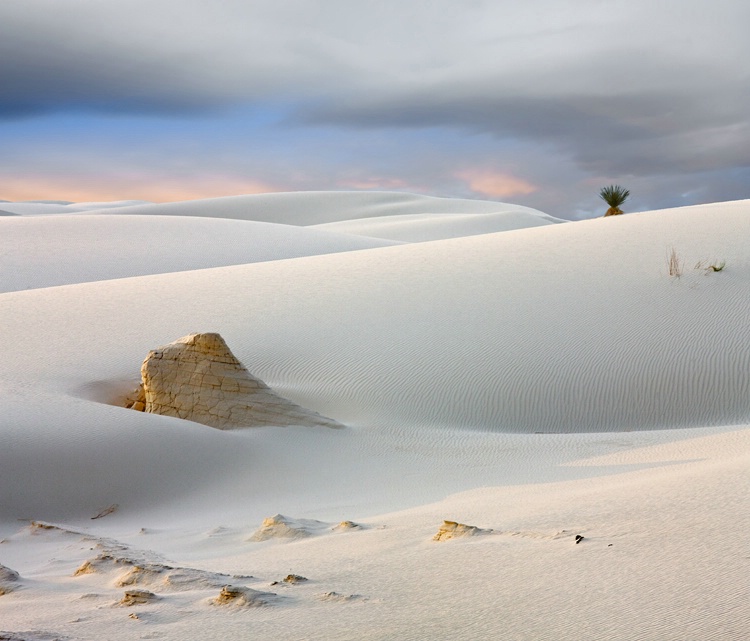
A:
{"points": [[347, 525], [8, 579], [294, 578], [137, 597], [452, 530], [244, 597], [8, 575], [283, 527], [335, 597], [140, 575]]}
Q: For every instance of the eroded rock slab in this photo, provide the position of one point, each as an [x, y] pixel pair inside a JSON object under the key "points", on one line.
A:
{"points": [[199, 379]]}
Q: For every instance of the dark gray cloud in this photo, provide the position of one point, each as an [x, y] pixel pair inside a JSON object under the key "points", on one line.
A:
{"points": [[132, 56], [700, 123]]}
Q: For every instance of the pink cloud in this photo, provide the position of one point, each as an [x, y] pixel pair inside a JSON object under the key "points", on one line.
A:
{"points": [[128, 186], [495, 184]]}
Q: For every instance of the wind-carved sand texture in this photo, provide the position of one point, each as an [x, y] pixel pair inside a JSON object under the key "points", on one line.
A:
{"points": [[199, 379]]}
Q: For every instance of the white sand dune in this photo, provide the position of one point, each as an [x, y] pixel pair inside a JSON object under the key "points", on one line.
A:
{"points": [[541, 383], [48, 207], [319, 207], [66, 249], [426, 227]]}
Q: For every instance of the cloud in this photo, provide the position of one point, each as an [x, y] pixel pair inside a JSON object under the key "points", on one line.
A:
{"points": [[139, 55], [701, 124], [78, 187], [492, 184]]}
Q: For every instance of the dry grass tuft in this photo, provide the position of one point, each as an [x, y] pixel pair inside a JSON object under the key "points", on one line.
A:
{"points": [[674, 263]]}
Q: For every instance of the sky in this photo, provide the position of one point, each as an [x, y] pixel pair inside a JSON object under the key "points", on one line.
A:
{"points": [[539, 103]]}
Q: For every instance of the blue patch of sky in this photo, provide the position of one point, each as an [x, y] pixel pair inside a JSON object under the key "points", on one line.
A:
{"points": [[82, 125]]}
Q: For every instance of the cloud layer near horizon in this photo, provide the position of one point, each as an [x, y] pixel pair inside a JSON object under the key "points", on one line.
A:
{"points": [[536, 103]]}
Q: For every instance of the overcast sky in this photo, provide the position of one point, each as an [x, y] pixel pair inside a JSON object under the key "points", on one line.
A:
{"points": [[539, 103]]}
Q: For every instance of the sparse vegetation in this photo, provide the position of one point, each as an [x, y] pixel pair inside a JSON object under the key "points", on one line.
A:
{"points": [[614, 196], [674, 263], [715, 266]]}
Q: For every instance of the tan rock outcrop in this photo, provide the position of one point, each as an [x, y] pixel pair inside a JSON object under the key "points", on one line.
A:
{"points": [[199, 379]]}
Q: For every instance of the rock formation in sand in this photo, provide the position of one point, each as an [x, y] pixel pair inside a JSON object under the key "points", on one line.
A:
{"points": [[294, 578], [137, 597], [199, 379], [8, 579], [452, 529], [282, 527], [345, 526], [135, 572]]}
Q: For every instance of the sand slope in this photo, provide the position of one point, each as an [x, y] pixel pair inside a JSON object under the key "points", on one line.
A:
{"points": [[65, 249], [539, 383], [425, 227], [550, 329]]}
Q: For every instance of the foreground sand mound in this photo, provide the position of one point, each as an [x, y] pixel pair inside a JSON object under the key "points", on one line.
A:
{"points": [[199, 379]]}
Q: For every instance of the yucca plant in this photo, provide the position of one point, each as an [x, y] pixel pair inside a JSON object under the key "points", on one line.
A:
{"points": [[614, 196]]}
